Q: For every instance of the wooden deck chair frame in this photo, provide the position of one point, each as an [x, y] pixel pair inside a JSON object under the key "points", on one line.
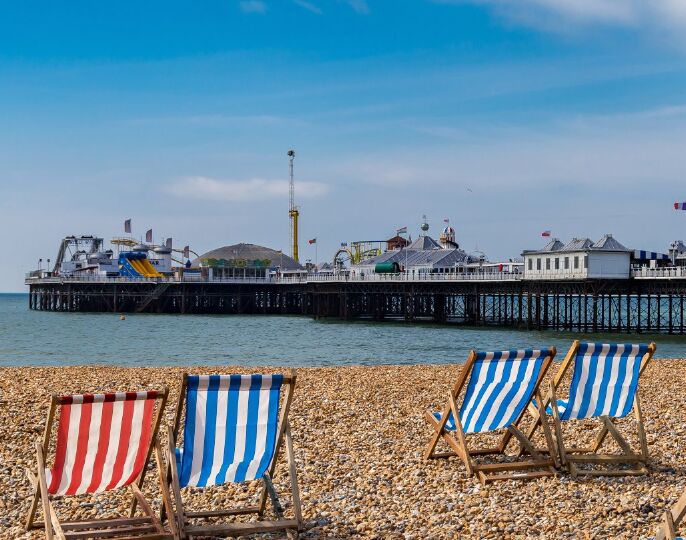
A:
{"points": [[147, 527], [539, 465], [291, 526], [572, 457], [672, 519]]}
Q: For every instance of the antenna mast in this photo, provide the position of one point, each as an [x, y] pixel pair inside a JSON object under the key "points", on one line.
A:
{"points": [[293, 212]]}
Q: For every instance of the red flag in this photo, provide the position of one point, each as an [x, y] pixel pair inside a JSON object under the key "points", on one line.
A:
{"points": [[545, 233], [148, 236], [313, 241]]}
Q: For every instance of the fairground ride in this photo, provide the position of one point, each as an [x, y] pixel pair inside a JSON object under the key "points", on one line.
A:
{"points": [[130, 242], [358, 251]]}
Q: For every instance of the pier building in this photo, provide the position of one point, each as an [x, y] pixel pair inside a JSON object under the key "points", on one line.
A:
{"points": [[580, 258], [426, 255], [242, 261]]}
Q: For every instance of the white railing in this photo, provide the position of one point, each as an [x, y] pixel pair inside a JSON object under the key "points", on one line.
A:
{"points": [[671, 272], [639, 273], [311, 278], [416, 277]]}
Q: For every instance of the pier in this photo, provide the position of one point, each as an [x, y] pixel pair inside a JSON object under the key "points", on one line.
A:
{"points": [[650, 301]]}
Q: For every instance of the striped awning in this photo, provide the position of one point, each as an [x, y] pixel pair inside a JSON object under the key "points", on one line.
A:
{"points": [[650, 255]]}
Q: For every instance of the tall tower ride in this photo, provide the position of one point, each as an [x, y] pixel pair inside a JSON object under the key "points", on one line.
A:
{"points": [[293, 212]]}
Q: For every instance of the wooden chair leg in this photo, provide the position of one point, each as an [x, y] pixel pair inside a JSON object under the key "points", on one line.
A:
{"points": [[643, 440], [179, 516], [550, 441], [558, 428], [600, 438], [461, 439], [164, 488], [621, 441], [428, 453], [52, 524], [668, 529], [293, 473], [30, 519]]}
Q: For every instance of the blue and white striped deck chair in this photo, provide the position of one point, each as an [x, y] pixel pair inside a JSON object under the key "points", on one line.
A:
{"points": [[604, 386], [498, 388], [233, 429]]}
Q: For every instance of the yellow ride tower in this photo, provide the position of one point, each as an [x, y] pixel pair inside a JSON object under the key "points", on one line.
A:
{"points": [[293, 212]]}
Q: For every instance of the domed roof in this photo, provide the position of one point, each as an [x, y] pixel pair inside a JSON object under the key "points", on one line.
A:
{"points": [[448, 230], [246, 256]]}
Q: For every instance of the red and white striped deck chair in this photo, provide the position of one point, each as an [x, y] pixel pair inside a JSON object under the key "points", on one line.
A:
{"points": [[103, 443]]}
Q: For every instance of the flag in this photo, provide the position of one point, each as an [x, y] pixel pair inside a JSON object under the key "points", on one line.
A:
{"points": [[148, 236], [402, 230], [545, 233], [168, 243], [446, 220], [344, 244], [313, 241], [680, 206], [127, 226], [187, 251]]}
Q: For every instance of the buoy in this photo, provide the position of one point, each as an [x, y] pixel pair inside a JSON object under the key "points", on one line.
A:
{"points": [[122, 317]]}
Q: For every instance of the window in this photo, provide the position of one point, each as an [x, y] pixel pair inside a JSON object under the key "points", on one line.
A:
{"points": [[585, 261], [538, 263], [547, 263], [557, 263], [566, 263], [531, 264], [576, 262]]}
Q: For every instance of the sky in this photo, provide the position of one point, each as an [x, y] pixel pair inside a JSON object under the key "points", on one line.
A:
{"points": [[507, 118]]}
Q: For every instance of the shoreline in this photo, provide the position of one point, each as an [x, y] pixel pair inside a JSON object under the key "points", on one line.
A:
{"points": [[359, 435]]}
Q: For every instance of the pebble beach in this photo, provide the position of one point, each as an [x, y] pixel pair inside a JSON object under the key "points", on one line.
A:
{"points": [[359, 436]]}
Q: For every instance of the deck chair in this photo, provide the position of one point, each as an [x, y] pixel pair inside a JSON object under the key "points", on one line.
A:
{"points": [[672, 519], [499, 386], [233, 432], [103, 443], [604, 386]]}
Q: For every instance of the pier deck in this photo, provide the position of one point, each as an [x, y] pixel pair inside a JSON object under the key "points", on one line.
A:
{"points": [[643, 304]]}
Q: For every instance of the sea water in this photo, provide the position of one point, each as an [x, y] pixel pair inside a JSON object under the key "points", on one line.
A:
{"points": [[44, 338]]}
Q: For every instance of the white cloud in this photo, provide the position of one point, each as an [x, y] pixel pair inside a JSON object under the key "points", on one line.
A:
{"points": [[253, 6], [360, 6], [308, 6], [567, 15], [253, 189]]}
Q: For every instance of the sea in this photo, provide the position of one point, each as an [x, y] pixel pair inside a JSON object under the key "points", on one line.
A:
{"points": [[38, 338]]}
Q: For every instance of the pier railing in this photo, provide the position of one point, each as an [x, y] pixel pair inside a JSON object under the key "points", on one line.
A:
{"points": [[312, 278], [678, 272], [670, 272], [422, 277]]}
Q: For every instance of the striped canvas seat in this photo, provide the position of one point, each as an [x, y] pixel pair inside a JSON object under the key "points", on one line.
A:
{"points": [[102, 442], [604, 386], [604, 381], [230, 429], [497, 389], [500, 387]]}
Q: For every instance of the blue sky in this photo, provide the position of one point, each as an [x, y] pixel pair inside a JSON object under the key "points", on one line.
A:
{"points": [[508, 118]]}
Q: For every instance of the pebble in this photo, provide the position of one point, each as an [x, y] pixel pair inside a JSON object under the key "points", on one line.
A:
{"points": [[359, 435]]}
